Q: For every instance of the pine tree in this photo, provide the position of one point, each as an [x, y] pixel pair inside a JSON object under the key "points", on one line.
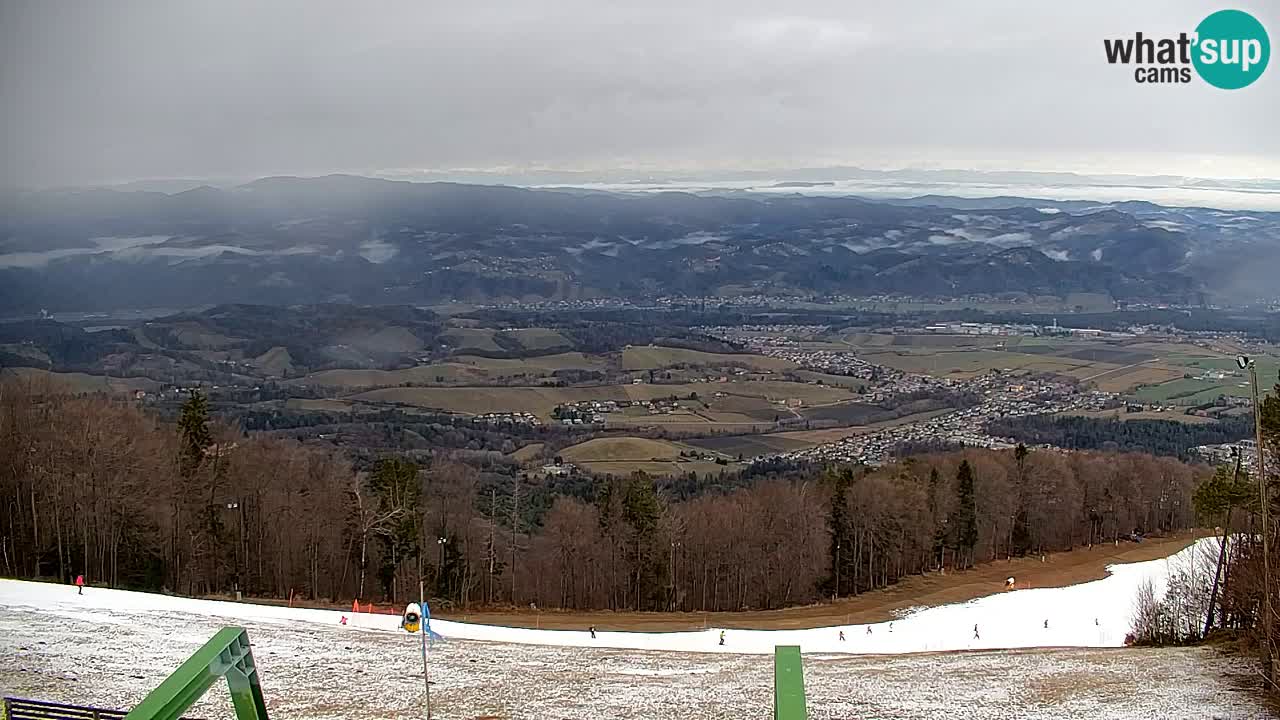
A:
{"points": [[396, 485], [640, 510], [193, 428], [940, 524], [1020, 533], [966, 524], [839, 525]]}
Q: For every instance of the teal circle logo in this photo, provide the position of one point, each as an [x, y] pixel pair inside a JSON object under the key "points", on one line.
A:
{"points": [[1231, 49]]}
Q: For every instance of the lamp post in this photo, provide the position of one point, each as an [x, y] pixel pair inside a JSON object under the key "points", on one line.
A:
{"points": [[1248, 363], [440, 542]]}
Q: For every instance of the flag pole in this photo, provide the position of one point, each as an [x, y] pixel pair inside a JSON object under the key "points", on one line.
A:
{"points": [[426, 678]]}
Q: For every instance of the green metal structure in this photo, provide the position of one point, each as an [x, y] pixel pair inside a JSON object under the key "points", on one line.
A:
{"points": [[227, 655], [788, 684]]}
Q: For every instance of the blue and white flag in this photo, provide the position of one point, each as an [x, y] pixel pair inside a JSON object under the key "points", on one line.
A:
{"points": [[426, 627]]}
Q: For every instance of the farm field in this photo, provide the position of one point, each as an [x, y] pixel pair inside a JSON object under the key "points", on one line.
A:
{"points": [[1153, 371], [464, 339], [479, 400], [792, 440], [460, 370], [625, 455], [80, 382], [538, 338], [542, 400], [750, 445], [653, 358]]}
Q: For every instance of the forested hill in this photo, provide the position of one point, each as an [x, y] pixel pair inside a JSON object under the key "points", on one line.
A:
{"points": [[1159, 437], [99, 488], [351, 239]]}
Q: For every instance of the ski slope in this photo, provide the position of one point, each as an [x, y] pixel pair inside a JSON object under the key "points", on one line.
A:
{"points": [[1090, 615]]}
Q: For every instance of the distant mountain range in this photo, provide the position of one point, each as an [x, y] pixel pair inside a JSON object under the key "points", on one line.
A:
{"points": [[339, 238]]}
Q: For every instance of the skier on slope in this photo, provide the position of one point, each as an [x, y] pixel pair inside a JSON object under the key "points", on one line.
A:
{"points": [[722, 637], [841, 636], [593, 632], [80, 584], [975, 632]]}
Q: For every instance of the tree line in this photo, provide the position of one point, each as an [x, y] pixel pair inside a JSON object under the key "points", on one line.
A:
{"points": [[1159, 437], [95, 486]]}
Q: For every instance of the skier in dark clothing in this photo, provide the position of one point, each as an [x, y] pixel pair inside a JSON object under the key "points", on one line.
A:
{"points": [[593, 632], [975, 632]]}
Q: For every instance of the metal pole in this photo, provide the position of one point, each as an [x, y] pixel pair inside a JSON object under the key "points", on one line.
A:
{"points": [[426, 677], [1266, 524]]}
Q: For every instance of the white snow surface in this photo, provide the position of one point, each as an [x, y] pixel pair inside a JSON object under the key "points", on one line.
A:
{"points": [[1089, 615]]}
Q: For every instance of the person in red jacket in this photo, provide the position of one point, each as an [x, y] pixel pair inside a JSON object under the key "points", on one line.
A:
{"points": [[80, 584]]}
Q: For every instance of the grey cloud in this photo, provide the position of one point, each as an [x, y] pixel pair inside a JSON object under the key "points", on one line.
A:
{"points": [[112, 91]]}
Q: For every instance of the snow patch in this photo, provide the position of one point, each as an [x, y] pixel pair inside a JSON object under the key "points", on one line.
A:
{"points": [[1095, 614]]}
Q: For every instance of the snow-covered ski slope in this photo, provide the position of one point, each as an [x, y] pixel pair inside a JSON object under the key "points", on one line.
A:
{"points": [[1093, 614]]}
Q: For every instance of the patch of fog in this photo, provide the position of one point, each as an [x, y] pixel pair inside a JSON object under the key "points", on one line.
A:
{"points": [[378, 251], [1049, 210], [693, 238], [857, 247], [1066, 232], [969, 235], [140, 249], [1058, 255], [1164, 224], [1096, 254], [605, 247], [945, 239], [101, 245], [178, 255], [1010, 239]]}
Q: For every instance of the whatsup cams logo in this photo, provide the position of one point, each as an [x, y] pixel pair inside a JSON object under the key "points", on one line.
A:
{"points": [[1229, 50]]}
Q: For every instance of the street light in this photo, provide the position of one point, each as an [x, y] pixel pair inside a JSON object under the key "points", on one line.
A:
{"points": [[1245, 362]]}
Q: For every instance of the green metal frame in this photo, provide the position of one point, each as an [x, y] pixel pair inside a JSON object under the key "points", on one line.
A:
{"points": [[788, 684], [227, 655]]}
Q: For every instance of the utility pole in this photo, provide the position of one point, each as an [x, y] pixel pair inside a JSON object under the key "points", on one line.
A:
{"points": [[424, 630], [1268, 655]]}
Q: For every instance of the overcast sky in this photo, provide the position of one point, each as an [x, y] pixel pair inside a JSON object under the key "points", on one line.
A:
{"points": [[118, 90]]}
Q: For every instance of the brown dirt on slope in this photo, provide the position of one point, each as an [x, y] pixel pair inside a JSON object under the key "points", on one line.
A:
{"points": [[1057, 570]]}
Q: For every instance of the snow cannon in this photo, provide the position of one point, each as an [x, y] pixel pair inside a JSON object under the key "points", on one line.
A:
{"points": [[412, 620]]}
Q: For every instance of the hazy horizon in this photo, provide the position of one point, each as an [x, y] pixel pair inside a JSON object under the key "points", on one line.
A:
{"points": [[144, 89]]}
